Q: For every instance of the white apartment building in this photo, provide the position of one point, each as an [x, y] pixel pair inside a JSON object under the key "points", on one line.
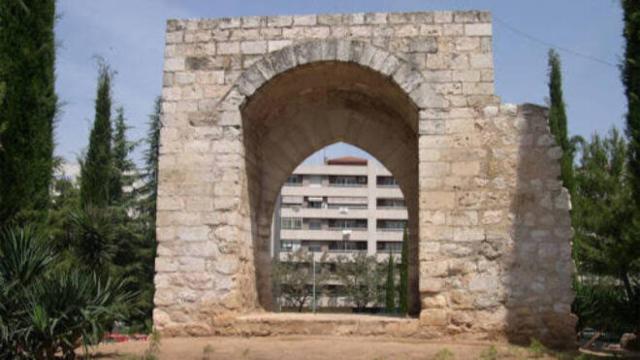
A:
{"points": [[348, 204]]}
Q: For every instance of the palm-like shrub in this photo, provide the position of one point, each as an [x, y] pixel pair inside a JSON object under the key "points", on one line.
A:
{"points": [[44, 312], [93, 241]]}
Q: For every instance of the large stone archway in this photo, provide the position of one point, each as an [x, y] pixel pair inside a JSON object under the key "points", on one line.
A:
{"points": [[247, 99]]}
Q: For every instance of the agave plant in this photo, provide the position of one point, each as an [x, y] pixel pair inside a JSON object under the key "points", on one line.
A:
{"points": [[24, 259], [43, 311], [93, 238]]}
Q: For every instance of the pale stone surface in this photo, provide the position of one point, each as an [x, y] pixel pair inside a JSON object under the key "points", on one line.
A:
{"points": [[488, 218]]}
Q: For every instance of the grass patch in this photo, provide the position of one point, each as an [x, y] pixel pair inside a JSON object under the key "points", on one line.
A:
{"points": [[490, 353], [206, 351]]}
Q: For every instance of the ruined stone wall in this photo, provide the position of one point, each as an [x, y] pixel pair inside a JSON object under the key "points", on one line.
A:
{"points": [[495, 251], [491, 229]]}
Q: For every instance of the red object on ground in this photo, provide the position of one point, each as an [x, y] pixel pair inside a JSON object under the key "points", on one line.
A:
{"points": [[116, 337]]}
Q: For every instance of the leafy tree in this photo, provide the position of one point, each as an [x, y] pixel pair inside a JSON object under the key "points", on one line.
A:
{"points": [[602, 305], [631, 82], [361, 277], [390, 286], [558, 120], [295, 277], [403, 297], [65, 202], [607, 240], [28, 108], [96, 167], [145, 241]]}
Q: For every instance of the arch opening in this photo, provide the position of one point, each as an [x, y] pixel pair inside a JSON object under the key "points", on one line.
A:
{"points": [[307, 108], [332, 211]]}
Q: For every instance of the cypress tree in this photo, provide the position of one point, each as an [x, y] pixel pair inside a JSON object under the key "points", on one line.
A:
{"points": [[150, 188], [96, 170], [122, 165], [147, 209], [403, 297], [390, 299], [28, 108], [631, 82], [558, 121]]}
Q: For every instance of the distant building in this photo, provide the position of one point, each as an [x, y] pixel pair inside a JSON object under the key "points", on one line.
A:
{"points": [[344, 206]]}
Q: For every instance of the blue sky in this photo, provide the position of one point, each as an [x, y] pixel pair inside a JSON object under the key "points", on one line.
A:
{"points": [[130, 36]]}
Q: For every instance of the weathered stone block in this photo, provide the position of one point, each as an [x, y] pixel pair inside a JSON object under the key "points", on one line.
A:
{"points": [[477, 29]]}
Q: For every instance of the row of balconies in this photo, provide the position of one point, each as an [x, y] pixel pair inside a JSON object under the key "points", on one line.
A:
{"points": [[342, 234], [380, 192], [333, 255], [387, 213], [341, 185]]}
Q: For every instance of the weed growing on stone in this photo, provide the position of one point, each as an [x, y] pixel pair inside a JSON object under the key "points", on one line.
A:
{"points": [[206, 351], [444, 354], [490, 353], [536, 349], [154, 347]]}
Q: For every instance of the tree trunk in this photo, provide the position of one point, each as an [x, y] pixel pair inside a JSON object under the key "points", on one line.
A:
{"points": [[632, 298]]}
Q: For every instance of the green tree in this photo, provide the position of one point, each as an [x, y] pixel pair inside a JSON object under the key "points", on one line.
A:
{"points": [[294, 276], [28, 108], [65, 201], [558, 120], [123, 166], [149, 189], [145, 249], [361, 276], [403, 297], [607, 240], [631, 82], [390, 286], [96, 167]]}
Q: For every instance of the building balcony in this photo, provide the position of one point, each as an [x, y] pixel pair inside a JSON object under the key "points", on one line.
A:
{"points": [[326, 191], [329, 257], [324, 234], [388, 192], [325, 213], [399, 213], [389, 235], [338, 185]]}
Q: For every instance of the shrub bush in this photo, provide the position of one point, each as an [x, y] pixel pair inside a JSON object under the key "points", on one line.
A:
{"points": [[44, 311]]}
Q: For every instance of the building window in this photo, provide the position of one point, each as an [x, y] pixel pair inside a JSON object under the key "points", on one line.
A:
{"points": [[314, 202], [294, 180], [386, 181], [352, 224], [347, 181], [315, 224], [390, 204], [391, 225], [315, 180], [291, 223], [289, 245], [389, 246], [347, 246]]}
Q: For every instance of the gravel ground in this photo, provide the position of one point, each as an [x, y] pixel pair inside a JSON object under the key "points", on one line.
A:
{"points": [[313, 347]]}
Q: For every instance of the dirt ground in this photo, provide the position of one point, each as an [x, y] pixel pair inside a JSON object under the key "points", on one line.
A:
{"points": [[314, 347]]}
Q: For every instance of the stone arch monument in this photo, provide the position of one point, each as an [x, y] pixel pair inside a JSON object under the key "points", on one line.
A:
{"points": [[245, 100]]}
